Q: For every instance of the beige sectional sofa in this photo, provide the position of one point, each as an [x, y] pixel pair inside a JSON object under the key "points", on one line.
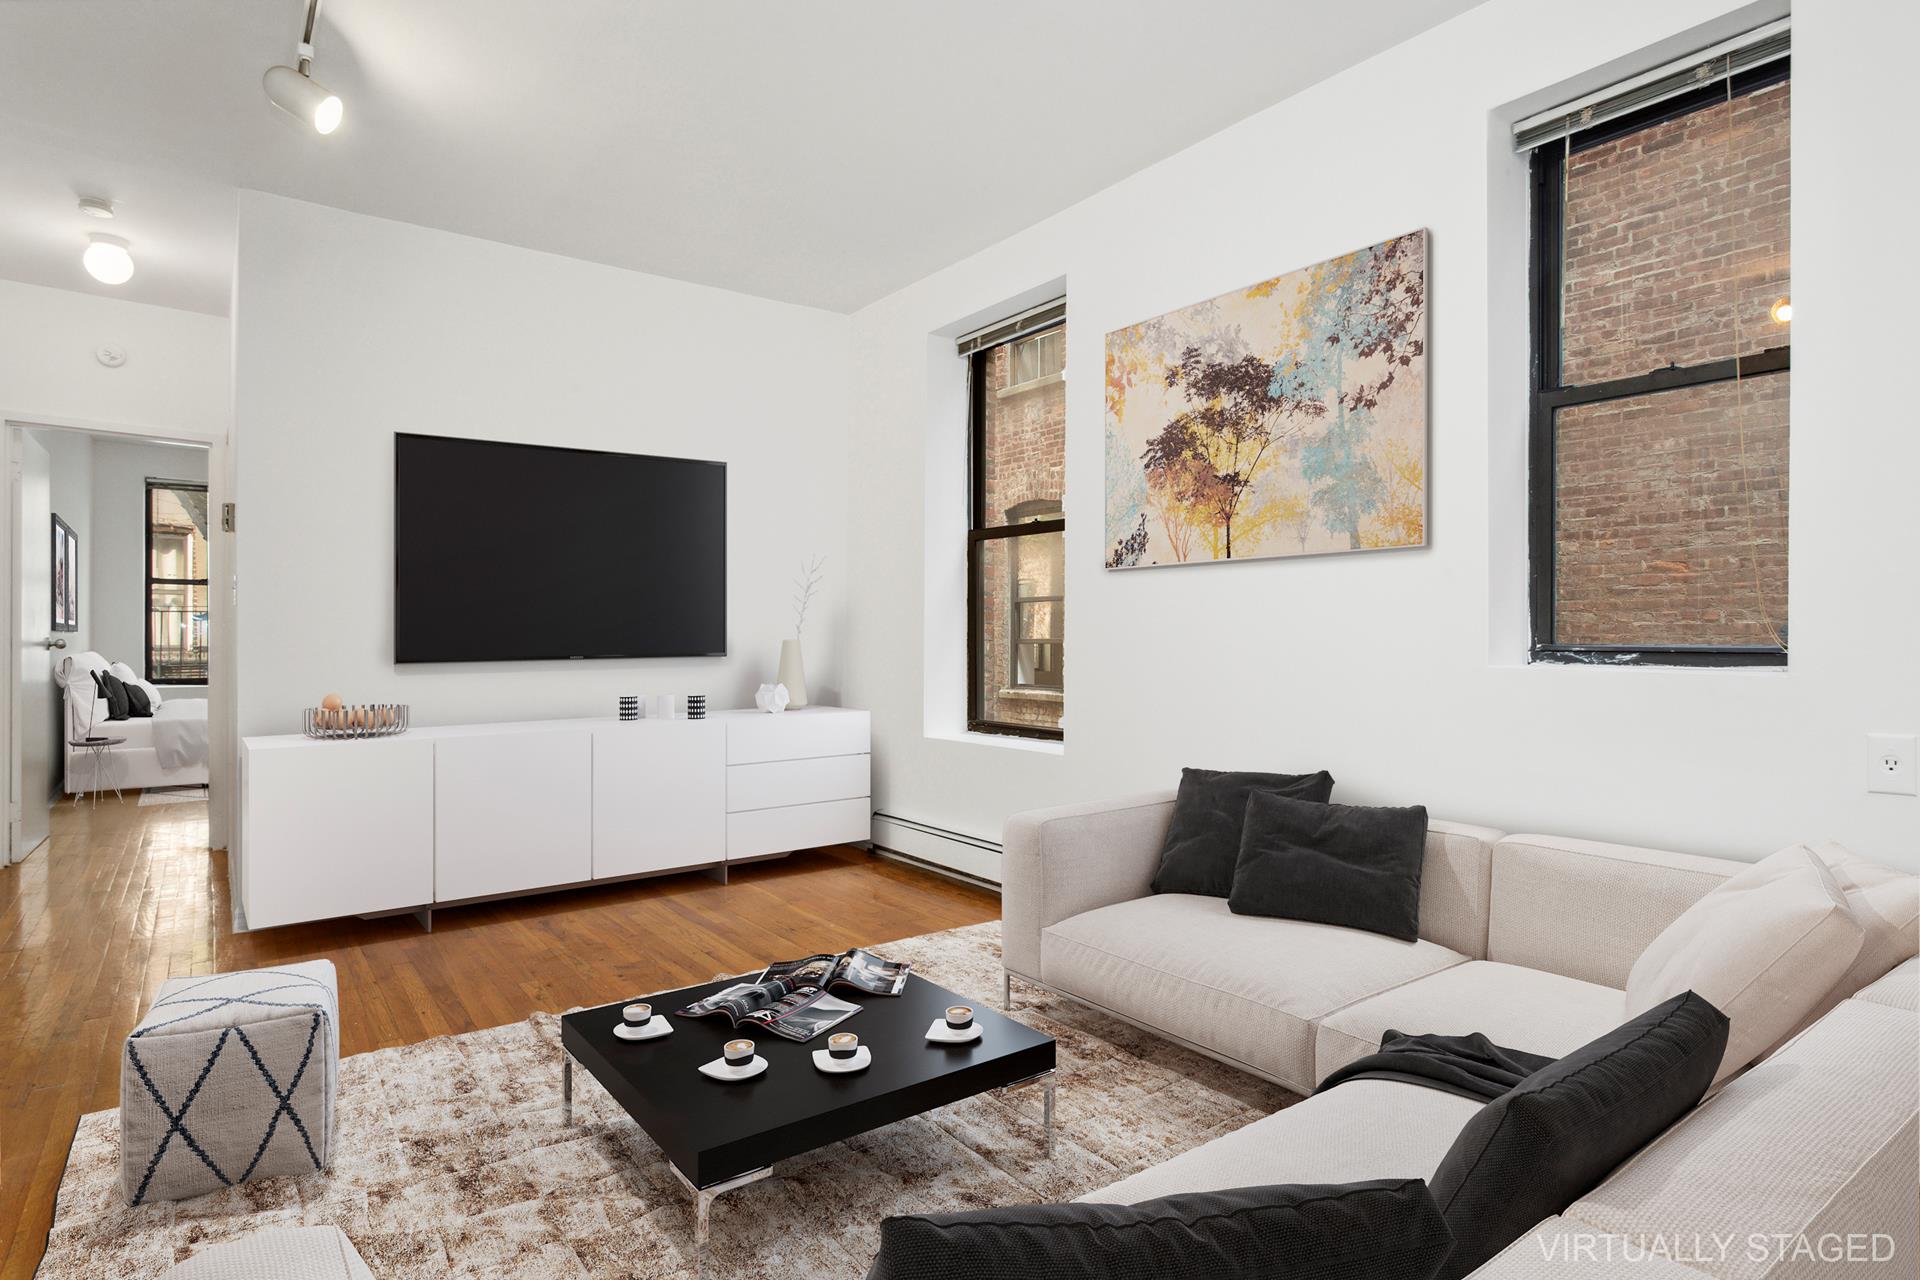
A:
{"points": [[1528, 939]]}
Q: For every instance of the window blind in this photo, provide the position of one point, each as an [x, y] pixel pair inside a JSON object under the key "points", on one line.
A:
{"points": [[1683, 75], [1028, 321]]}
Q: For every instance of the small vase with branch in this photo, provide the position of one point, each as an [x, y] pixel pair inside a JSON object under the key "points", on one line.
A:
{"points": [[793, 667]]}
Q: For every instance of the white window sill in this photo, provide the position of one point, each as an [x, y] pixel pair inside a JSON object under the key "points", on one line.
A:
{"points": [[1040, 746]]}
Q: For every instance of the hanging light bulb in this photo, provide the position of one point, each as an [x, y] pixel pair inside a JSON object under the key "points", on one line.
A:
{"points": [[107, 259], [1781, 311], [296, 92]]}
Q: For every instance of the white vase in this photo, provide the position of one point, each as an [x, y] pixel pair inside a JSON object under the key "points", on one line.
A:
{"points": [[793, 672]]}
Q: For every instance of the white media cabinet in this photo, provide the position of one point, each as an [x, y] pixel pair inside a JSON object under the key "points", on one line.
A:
{"points": [[462, 812]]}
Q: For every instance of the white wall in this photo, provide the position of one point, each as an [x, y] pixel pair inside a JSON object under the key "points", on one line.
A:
{"points": [[70, 483], [349, 329], [118, 558], [1400, 672], [175, 379]]}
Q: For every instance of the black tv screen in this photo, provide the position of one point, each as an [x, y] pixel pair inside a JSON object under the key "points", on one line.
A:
{"points": [[515, 551]]}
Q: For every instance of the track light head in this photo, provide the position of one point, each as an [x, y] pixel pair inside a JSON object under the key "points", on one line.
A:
{"points": [[302, 97]]}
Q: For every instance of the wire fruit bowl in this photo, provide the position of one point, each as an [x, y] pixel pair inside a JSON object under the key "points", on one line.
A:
{"points": [[371, 720]]}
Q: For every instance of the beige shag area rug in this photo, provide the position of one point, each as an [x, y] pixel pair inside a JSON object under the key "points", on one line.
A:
{"points": [[452, 1161]]}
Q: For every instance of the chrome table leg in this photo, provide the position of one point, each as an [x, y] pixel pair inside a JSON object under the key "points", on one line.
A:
{"points": [[1046, 1081], [566, 1087], [703, 1198]]}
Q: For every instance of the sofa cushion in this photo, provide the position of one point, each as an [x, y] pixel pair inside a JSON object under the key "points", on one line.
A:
{"points": [[1816, 1141], [1356, 866], [1244, 987], [1331, 1137], [1898, 990], [1385, 1230], [1763, 948], [1562, 1249], [1519, 1008], [1203, 840], [1531, 1152], [1887, 905], [1587, 909], [277, 1253]]}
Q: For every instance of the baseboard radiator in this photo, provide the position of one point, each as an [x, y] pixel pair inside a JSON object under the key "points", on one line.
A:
{"points": [[951, 853]]}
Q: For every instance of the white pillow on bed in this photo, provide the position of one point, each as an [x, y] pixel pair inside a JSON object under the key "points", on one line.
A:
{"points": [[124, 673]]}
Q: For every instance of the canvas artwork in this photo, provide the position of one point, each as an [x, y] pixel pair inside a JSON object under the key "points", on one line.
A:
{"points": [[1284, 419]]}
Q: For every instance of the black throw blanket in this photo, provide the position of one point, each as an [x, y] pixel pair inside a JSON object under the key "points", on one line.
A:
{"points": [[1471, 1066]]}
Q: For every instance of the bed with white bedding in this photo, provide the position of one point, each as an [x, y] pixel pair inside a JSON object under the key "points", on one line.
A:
{"points": [[167, 749]]}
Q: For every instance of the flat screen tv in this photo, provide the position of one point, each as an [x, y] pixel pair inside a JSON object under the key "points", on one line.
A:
{"points": [[510, 552]]}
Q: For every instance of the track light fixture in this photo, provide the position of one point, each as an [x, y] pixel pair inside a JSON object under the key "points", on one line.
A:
{"points": [[296, 92]]}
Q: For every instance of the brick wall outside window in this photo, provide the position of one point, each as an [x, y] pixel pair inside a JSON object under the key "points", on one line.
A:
{"points": [[1671, 508], [1025, 466]]}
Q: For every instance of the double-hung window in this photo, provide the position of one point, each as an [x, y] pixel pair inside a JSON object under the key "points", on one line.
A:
{"points": [[176, 582], [1661, 325], [1016, 541]]}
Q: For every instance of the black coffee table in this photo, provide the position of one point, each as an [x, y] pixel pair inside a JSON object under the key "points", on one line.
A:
{"points": [[718, 1136]]}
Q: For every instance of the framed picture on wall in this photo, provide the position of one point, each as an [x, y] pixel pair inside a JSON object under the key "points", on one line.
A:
{"points": [[66, 577]]}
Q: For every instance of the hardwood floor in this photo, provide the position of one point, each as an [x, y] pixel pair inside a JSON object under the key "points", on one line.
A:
{"points": [[123, 897]]}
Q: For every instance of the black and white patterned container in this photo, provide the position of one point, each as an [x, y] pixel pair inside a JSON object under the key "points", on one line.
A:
{"points": [[629, 706], [696, 706]]}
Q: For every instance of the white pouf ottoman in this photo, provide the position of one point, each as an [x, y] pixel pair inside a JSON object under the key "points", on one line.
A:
{"points": [[279, 1253], [229, 1078]]}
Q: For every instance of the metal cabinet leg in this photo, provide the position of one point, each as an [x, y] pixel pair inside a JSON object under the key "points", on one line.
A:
{"points": [[566, 1088], [1046, 1106], [1006, 990]]}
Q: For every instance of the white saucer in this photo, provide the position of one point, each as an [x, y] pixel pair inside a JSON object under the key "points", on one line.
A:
{"points": [[656, 1027], [719, 1070], [941, 1033], [833, 1066]]}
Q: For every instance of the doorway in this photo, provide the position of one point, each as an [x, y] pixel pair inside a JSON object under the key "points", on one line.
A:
{"points": [[115, 628]]}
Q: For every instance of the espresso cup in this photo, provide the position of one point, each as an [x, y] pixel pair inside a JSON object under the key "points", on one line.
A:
{"points": [[739, 1052], [843, 1045], [959, 1017], [637, 1015]]}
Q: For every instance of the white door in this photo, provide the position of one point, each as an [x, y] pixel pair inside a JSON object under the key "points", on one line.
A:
{"points": [[35, 705]]}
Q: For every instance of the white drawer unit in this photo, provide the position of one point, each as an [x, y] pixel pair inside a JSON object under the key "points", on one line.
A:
{"points": [[454, 813], [659, 796], [754, 737], [759, 832], [775, 783], [798, 780]]}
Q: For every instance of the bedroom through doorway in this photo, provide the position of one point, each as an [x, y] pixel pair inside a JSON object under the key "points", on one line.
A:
{"points": [[115, 634]]}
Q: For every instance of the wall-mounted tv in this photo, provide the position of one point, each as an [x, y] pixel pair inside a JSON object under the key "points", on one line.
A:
{"points": [[511, 552]]}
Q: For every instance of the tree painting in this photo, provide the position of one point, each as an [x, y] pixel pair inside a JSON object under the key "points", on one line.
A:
{"points": [[1288, 418]]}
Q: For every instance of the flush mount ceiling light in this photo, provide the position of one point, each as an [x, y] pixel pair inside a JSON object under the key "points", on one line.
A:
{"points": [[107, 259], [294, 90]]}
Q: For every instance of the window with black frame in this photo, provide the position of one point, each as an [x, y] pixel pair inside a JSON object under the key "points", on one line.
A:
{"points": [[176, 582], [1016, 543], [1661, 343]]}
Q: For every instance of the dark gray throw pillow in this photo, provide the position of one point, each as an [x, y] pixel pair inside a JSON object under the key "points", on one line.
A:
{"points": [[1344, 864], [114, 692], [1387, 1230], [1203, 840], [138, 704], [1556, 1135]]}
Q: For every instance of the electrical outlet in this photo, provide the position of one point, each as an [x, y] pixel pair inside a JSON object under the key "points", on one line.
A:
{"points": [[1890, 764]]}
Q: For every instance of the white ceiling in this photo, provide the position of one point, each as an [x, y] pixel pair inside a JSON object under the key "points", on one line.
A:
{"points": [[825, 152]]}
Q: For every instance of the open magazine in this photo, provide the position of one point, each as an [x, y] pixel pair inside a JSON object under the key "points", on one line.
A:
{"points": [[858, 969], [789, 998]]}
